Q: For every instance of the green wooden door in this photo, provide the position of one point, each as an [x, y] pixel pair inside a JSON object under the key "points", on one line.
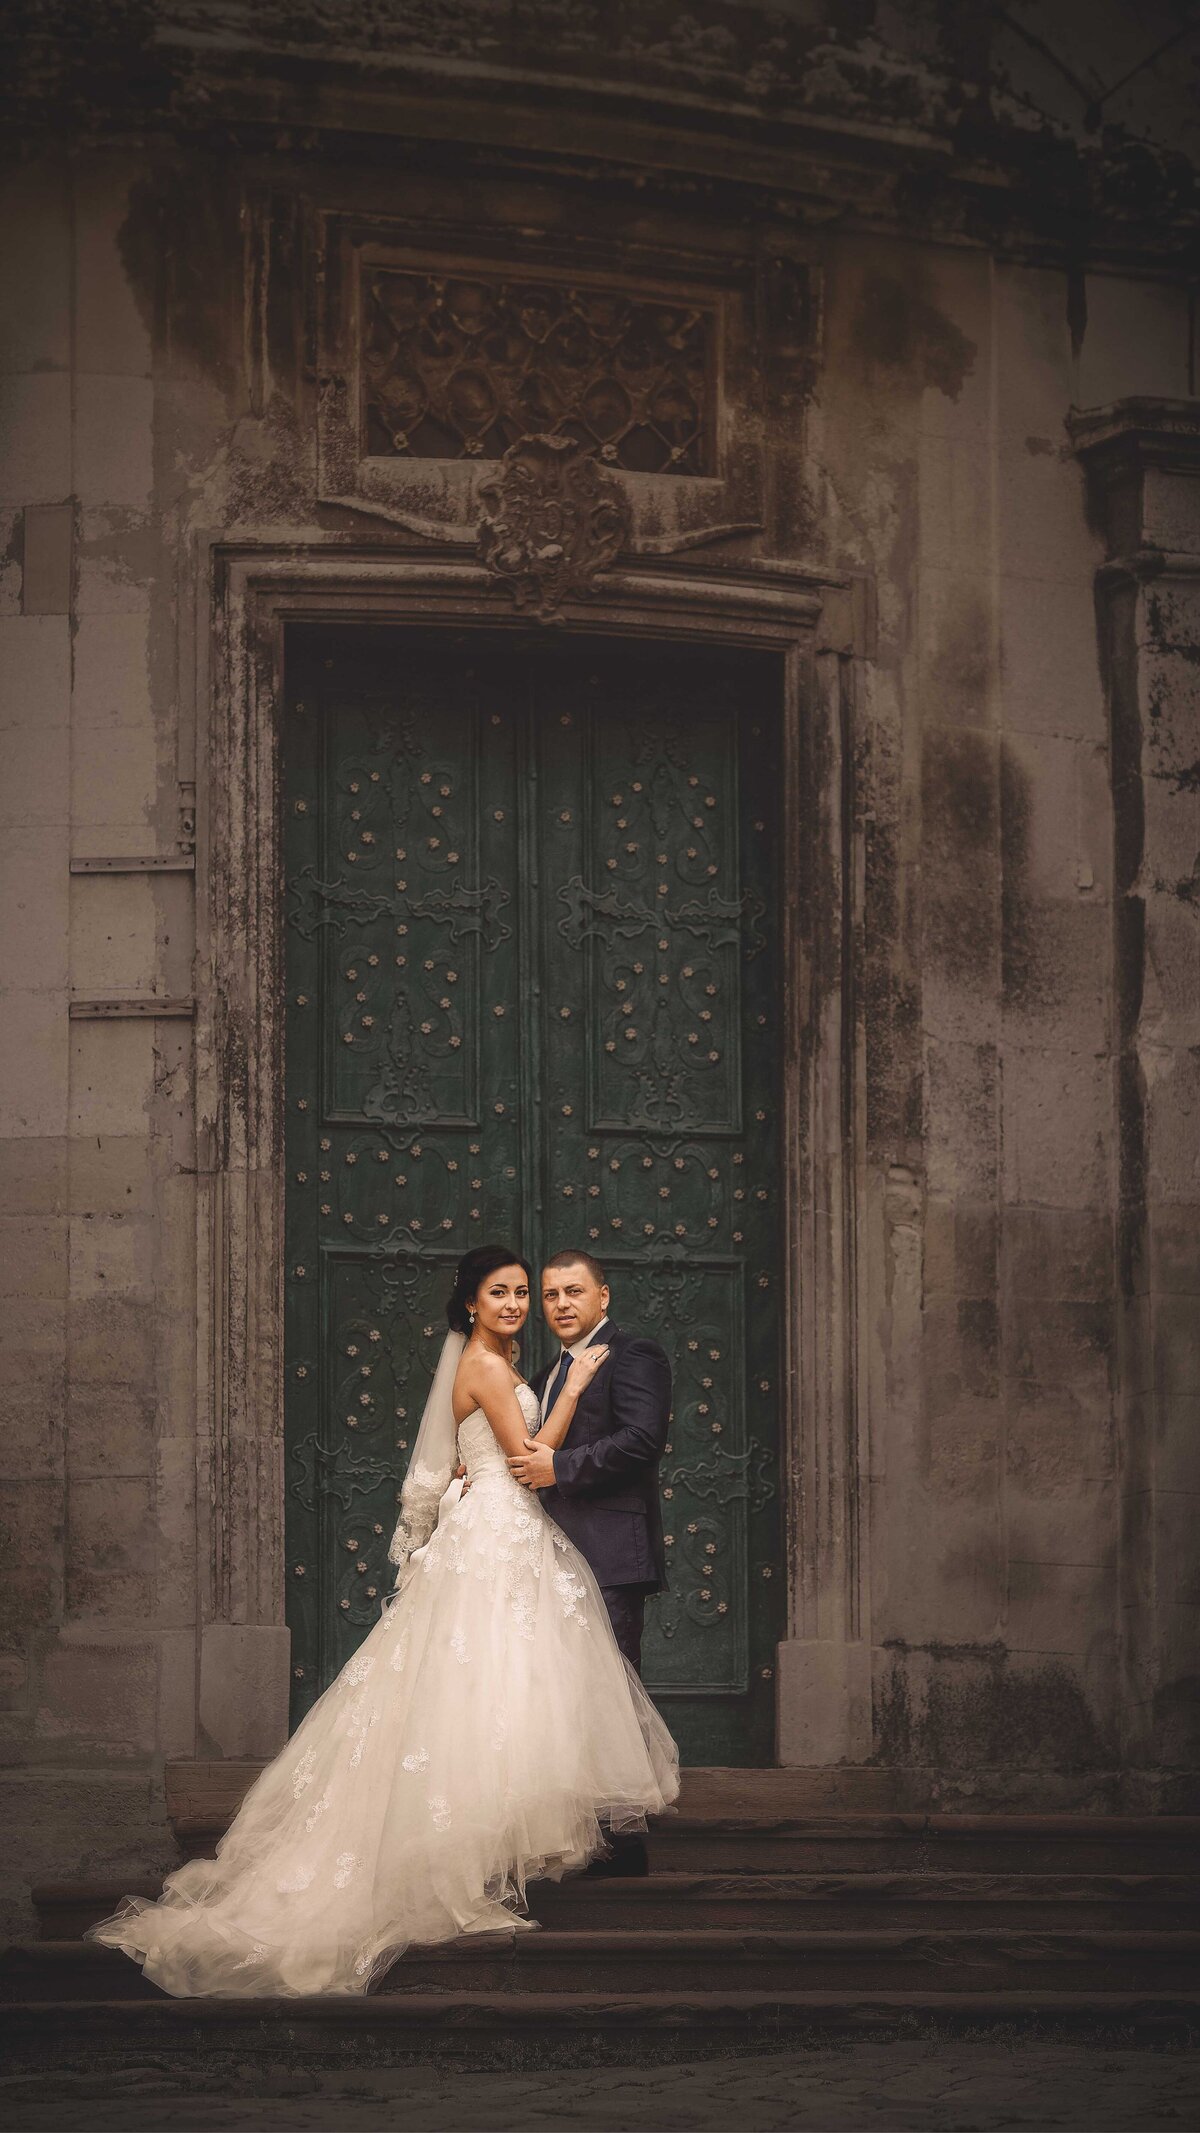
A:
{"points": [[532, 983]]}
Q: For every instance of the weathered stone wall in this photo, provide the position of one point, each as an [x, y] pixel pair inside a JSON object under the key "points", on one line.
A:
{"points": [[1024, 1074]]}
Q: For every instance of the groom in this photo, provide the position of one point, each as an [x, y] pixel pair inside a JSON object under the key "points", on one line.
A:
{"points": [[601, 1485]]}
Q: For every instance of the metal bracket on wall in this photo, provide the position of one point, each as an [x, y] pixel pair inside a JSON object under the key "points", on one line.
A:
{"points": [[138, 863], [146, 1009]]}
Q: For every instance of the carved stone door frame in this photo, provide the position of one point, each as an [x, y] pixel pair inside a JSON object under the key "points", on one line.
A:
{"points": [[823, 1702]]}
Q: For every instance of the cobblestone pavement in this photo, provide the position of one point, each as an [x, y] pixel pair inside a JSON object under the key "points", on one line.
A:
{"points": [[878, 2087]]}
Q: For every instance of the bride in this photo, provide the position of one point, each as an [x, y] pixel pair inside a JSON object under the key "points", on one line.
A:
{"points": [[480, 1737]]}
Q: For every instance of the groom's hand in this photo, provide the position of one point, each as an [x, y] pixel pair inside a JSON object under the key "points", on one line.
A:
{"points": [[534, 1467]]}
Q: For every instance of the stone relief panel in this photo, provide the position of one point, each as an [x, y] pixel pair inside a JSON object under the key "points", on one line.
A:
{"points": [[463, 366], [437, 367]]}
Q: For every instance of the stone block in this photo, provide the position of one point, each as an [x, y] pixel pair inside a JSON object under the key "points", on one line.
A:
{"points": [[1059, 1439], [112, 1077], [823, 1703], [101, 1691], [177, 1693], [1058, 1254], [1062, 1608], [34, 1348], [244, 1689], [112, 671], [33, 1175], [1172, 1080], [1176, 1443], [1061, 1344], [1043, 534], [34, 900], [1057, 1122], [962, 1467], [961, 1119], [47, 559], [31, 1535], [34, 1064], [954, 507], [31, 1599], [1063, 1525], [1171, 510], [113, 1255], [1034, 361], [1168, 1037], [110, 1549], [1172, 837], [110, 1431], [1056, 974], [112, 1173], [175, 1519], [113, 1341], [1176, 1344], [36, 790], [12, 521], [31, 1434], [115, 564], [33, 1256], [35, 438], [114, 442], [959, 1351], [111, 326], [1136, 342], [1057, 819], [958, 647], [114, 945], [1175, 1248], [35, 675], [35, 266], [114, 780], [14, 1682], [1050, 663]]}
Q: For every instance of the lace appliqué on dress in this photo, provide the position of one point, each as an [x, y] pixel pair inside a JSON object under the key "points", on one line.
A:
{"points": [[302, 1775], [300, 1878], [315, 1813]]}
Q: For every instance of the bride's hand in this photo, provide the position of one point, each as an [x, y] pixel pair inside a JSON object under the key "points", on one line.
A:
{"points": [[583, 1370]]}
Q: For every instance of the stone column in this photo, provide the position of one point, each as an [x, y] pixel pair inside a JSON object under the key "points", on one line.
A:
{"points": [[1143, 461]]}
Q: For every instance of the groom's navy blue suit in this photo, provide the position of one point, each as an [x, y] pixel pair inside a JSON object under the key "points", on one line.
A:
{"points": [[605, 1494]]}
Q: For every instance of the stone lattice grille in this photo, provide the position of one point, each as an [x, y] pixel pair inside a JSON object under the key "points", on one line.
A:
{"points": [[459, 368]]}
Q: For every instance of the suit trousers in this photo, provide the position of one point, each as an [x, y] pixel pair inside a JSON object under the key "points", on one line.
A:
{"points": [[626, 1606]]}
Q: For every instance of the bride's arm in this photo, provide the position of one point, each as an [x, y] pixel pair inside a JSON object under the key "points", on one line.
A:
{"points": [[490, 1385]]}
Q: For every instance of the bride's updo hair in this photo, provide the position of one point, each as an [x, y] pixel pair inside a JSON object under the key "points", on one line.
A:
{"points": [[473, 1270]]}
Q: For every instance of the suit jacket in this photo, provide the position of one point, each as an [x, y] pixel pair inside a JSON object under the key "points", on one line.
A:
{"points": [[605, 1495]]}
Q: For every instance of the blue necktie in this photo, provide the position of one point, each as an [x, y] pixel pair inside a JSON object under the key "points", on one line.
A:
{"points": [[560, 1379]]}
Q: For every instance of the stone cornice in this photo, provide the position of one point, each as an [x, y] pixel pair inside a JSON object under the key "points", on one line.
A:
{"points": [[816, 124], [1141, 432]]}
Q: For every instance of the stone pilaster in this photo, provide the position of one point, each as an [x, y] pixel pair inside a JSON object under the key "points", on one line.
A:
{"points": [[1143, 460]]}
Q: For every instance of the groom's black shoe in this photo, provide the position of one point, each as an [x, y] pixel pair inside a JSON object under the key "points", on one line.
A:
{"points": [[628, 1860]]}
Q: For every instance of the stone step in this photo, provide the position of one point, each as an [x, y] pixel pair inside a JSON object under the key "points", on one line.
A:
{"points": [[697, 1959], [66, 1909], [214, 2040], [803, 1821]]}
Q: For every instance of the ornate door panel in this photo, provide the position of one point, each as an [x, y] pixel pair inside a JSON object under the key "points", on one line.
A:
{"points": [[531, 974]]}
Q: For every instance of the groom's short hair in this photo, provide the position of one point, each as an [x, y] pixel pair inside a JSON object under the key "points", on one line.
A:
{"points": [[562, 1259]]}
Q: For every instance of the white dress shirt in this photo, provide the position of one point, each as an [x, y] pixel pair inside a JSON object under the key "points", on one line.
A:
{"points": [[577, 1348]]}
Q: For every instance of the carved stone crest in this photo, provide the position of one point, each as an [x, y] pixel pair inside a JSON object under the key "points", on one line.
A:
{"points": [[550, 519]]}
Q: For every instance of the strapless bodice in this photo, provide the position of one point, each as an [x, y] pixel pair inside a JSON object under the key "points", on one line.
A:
{"points": [[477, 1446]]}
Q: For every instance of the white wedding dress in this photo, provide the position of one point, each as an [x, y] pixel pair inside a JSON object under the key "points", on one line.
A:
{"points": [[478, 1739]]}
